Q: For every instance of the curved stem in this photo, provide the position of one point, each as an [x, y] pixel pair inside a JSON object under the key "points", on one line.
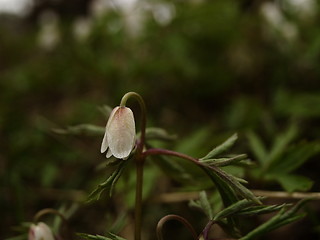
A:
{"points": [[177, 218], [143, 116], [47, 211]]}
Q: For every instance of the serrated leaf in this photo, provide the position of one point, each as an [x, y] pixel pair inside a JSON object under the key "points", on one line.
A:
{"points": [[221, 148], [257, 147], [235, 184], [280, 219], [292, 183], [109, 184], [232, 209], [205, 204], [221, 162], [257, 210]]}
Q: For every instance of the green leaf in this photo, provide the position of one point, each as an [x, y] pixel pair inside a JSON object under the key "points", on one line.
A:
{"points": [[221, 148], [221, 162], [256, 210], [292, 183], [234, 183], [295, 157], [280, 219], [257, 147], [280, 144], [204, 204], [232, 209], [159, 134], [109, 184]]}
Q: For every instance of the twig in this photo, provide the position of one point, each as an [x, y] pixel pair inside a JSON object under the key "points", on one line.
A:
{"points": [[281, 194]]}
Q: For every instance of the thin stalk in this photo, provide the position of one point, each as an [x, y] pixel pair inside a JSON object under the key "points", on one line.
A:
{"points": [[177, 218], [138, 200], [139, 158]]}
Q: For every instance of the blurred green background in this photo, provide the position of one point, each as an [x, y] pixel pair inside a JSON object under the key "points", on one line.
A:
{"points": [[206, 69]]}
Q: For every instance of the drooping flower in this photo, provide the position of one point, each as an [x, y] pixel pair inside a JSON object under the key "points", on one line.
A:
{"points": [[119, 137], [41, 231]]}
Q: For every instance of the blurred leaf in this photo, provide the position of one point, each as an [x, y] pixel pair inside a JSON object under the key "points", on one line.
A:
{"points": [[280, 144], [82, 129], [297, 104], [295, 157], [193, 144], [292, 183], [105, 110], [203, 203], [257, 147], [225, 146], [159, 134]]}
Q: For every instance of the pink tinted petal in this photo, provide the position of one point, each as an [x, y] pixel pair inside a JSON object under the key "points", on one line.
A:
{"points": [[121, 132]]}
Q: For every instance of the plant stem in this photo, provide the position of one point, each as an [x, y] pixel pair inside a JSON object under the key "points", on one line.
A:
{"points": [[138, 203], [139, 158], [177, 218]]}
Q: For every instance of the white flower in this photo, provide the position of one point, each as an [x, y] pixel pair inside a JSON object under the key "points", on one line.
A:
{"points": [[120, 133], [41, 231]]}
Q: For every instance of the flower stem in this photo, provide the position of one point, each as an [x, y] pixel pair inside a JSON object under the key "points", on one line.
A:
{"points": [[139, 158], [138, 203], [177, 218]]}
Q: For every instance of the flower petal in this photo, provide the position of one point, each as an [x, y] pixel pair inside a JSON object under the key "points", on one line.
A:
{"points": [[109, 153], [121, 132], [104, 145]]}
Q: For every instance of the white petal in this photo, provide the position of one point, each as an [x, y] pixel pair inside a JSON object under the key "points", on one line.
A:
{"points": [[121, 132], [104, 144], [40, 231], [109, 153]]}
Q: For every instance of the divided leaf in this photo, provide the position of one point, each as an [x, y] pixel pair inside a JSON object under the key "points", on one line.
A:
{"points": [[282, 218]]}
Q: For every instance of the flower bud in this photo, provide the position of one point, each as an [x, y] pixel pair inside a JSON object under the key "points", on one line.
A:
{"points": [[41, 231], [119, 137]]}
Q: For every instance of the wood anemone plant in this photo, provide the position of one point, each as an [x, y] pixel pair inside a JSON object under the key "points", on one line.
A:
{"points": [[121, 141]]}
